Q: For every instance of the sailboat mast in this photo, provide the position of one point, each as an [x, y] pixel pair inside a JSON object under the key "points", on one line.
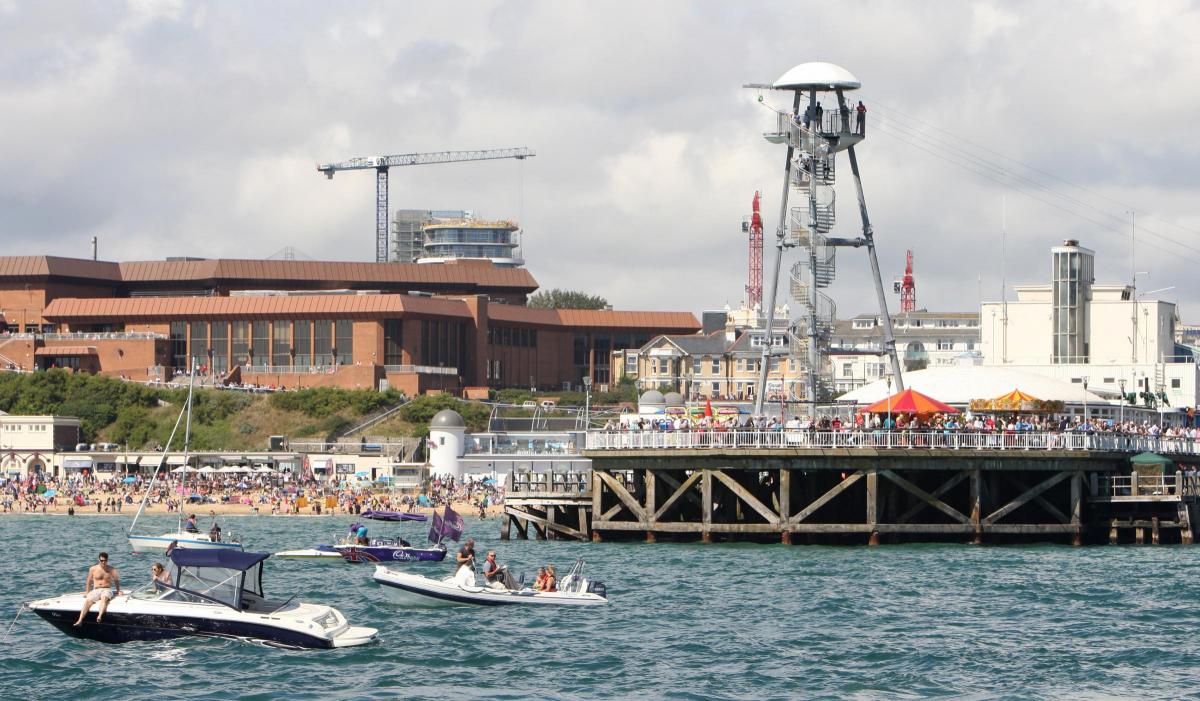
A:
{"points": [[154, 478], [187, 432]]}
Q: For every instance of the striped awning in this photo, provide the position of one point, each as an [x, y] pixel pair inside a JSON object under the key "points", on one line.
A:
{"points": [[66, 350]]}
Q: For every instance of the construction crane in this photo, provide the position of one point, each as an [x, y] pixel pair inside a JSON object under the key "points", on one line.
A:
{"points": [[906, 287], [753, 226], [381, 164]]}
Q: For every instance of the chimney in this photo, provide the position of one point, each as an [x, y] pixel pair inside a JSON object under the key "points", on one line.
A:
{"points": [[95, 240]]}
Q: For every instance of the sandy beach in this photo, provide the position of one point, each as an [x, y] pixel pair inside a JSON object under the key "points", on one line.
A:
{"points": [[201, 510]]}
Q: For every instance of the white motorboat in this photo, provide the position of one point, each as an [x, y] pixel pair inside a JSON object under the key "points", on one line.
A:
{"points": [[215, 593], [180, 537], [462, 589], [321, 552]]}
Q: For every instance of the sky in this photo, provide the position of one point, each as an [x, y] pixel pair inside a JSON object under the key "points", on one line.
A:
{"points": [[995, 131]]}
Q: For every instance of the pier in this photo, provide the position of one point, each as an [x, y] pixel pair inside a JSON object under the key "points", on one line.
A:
{"points": [[862, 487]]}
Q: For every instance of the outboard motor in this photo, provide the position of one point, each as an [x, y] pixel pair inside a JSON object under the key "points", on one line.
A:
{"points": [[598, 589]]}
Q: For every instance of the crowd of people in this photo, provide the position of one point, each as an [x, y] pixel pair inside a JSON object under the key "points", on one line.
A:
{"points": [[40, 493], [955, 423]]}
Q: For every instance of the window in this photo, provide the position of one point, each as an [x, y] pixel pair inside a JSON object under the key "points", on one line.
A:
{"points": [[848, 370], [343, 341], [716, 366], [220, 347], [240, 344], [716, 388], [200, 342], [1175, 383], [863, 323], [393, 341], [698, 366], [260, 343], [178, 336], [322, 342], [945, 345], [302, 331], [281, 344], [1109, 380]]}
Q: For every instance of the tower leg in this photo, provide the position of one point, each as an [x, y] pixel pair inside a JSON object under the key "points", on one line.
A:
{"points": [[381, 215]]}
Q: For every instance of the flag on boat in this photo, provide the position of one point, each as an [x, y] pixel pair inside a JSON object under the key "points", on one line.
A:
{"points": [[447, 525]]}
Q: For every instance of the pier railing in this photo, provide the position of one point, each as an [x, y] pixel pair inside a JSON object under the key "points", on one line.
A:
{"points": [[707, 439], [1135, 487]]}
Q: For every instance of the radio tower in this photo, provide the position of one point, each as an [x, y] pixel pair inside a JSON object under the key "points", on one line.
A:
{"points": [[908, 288], [754, 274]]}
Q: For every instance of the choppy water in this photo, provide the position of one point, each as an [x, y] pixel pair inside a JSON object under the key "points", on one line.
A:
{"points": [[685, 622]]}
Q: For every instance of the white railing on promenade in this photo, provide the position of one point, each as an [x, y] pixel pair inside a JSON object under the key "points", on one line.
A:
{"points": [[945, 440]]}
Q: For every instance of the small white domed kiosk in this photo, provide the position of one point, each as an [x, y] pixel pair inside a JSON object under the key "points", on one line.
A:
{"points": [[817, 75], [652, 402], [447, 432], [673, 399]]}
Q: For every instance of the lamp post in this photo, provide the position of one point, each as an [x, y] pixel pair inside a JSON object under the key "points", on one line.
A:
{"points": [[587, 403], [1085, 406], [1121, 419], [888, 426]]}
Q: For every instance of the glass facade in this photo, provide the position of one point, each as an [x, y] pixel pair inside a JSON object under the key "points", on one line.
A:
{"points": [[220, 347], [200, 343], [322, 343], [178, 340], [260, 343], [1071, 283], [393, 342], [344, 341], [240, 342], [281, 344], [303, 343], [443, 343]]}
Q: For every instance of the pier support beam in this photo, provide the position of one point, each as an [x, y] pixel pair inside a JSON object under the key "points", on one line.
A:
{"points": [[872, 482], [785, 505], [1077, 508], [706, 487], [977, 506], [1186, 536]]}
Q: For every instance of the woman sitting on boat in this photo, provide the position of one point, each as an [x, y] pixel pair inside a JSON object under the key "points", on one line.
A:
{"points": [[551, 581], [539, 584]]}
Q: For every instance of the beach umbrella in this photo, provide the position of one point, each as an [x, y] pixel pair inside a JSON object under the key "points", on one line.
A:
{"points": [[910, 401], [179, 469], [129, 480], [49, 492]]}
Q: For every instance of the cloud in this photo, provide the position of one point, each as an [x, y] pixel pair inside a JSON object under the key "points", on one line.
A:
{"points": [[170, 129]]}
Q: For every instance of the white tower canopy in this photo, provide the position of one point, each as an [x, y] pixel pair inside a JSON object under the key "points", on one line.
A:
{"points": [[817, 75]]}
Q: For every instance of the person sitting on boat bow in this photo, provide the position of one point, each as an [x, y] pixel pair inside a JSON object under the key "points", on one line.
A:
{"points": [[214, 533], [191, 526], [158, 574], [102, 585]]}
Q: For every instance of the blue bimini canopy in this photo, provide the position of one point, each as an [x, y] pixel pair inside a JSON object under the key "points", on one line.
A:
{"points": [[223, 557]]}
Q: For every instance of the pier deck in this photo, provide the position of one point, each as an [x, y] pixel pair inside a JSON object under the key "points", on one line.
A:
{"points": [[865, 487]]}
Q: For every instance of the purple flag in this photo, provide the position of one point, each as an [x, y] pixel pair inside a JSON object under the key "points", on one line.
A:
{"points": [[452, 524], [435, 531]]}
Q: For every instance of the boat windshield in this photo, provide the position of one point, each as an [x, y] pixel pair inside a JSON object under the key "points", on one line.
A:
{"points": [[220, 583]]}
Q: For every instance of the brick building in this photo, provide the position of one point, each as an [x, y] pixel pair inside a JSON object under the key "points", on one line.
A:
{"points": [[305, 323]]}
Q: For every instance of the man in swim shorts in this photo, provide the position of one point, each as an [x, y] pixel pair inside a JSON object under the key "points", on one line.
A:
{"points": [[102, 585]]}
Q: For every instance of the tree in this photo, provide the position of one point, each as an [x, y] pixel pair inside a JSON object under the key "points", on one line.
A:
{"points": [[566, 299]]}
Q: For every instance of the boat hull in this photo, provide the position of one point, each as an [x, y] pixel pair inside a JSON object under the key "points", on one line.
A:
{"points": [[417, 590], [317, 553], [125, 623], [146, 544], [371, 553]]}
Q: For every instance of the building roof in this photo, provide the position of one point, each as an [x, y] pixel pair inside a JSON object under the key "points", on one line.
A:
{"points": [[959, 385], [600, 318], [76, 310], [459, 275], [54, 266]]}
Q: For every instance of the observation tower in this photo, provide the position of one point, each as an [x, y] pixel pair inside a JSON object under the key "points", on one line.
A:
{"points": [[820, 125]]}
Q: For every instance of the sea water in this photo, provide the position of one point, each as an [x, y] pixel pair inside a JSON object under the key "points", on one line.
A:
{"points": [[686, 621]]}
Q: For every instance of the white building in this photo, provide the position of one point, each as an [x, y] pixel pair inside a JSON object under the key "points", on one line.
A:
{"points": [[924, 339], [27, 443], [1102, 335]]}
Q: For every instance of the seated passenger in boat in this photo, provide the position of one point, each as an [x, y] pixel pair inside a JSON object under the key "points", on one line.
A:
{"points": [[214, 533], [551, 581], [191, 526], [539, 584], [492, 571]]}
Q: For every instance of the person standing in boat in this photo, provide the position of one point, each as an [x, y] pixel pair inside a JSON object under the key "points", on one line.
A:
{"points": [[159, 574], [102, 585]]}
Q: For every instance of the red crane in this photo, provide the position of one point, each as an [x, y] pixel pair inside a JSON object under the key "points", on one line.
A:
{"points": [[908, 287], [754, 282]]}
